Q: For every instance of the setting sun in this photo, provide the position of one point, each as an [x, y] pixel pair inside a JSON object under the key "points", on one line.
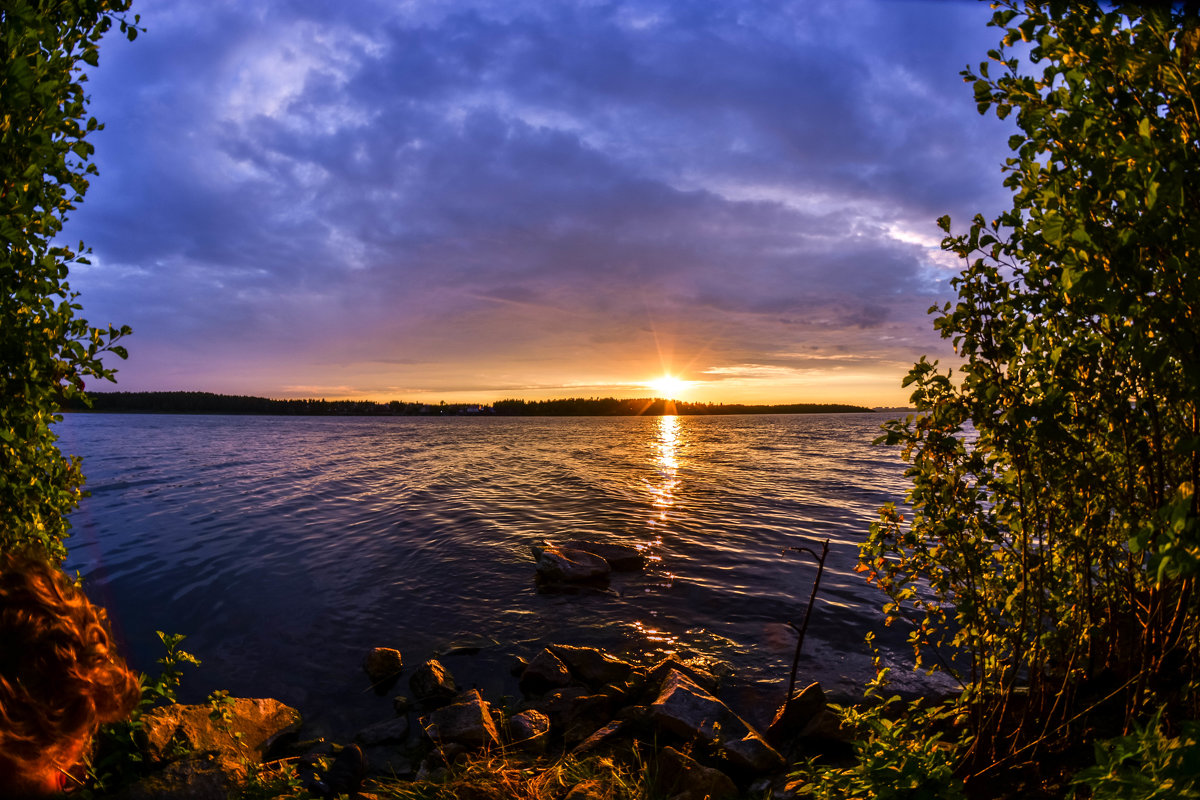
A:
{"points": [[669, 387]]}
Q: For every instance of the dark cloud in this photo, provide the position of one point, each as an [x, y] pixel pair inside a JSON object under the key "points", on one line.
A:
{"points": [[295, 185]]}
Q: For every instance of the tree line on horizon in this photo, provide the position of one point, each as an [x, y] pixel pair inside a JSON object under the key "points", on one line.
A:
{"points": [[210, 403]]}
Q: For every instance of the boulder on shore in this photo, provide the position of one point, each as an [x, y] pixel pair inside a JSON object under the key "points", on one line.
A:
{"points": [[544, 671], [686, 710], [467, 722], [253, 726], [681, 777], [217, 752], [592, 666], [796, 713]]}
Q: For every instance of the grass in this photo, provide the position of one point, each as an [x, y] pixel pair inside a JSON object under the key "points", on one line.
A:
{"points": [[498, 776]]}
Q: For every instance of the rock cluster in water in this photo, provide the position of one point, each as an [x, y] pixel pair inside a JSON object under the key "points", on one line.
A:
{"points": [[576, 701]]}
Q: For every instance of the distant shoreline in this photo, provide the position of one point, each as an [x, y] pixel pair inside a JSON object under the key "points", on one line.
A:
{"points": [[210, 403]]}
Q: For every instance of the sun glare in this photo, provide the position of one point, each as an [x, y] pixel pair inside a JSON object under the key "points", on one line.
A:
{"points": [[669, 387]]}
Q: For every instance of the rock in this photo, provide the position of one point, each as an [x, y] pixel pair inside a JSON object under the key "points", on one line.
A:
{"points": [[603, 736], [557, 704], [586, 715], [659, 672], [751, 752], [388, 731], [259, 721], [681, 777], [192, 778], [432, 684], [795, 714], [529, 730], [467, 721], [401, 705], [544, 671], [382, 664], [620, 557], [561, 565], [686, 710], [592, 666]]}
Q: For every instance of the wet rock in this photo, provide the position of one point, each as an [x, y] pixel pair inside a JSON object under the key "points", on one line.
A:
{"points": [[686, 710], [544, 671], [620, 557], [254, 725], [799, 710], [562, 565], [382, 664], [681, 777], [467, 722], [432, 684], [386, 732], [592, 666], [529, 730], [700, 676]]}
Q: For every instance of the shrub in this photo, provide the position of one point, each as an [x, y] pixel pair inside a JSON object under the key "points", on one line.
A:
{"points": [[1051, 555]]}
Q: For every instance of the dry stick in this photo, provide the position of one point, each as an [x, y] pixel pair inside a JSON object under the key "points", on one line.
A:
{"points": [[807, 612]]}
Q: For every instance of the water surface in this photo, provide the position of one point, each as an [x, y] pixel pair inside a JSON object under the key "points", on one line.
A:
{"points": [[286, 547]]}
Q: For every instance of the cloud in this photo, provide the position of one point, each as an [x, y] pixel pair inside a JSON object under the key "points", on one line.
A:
{"points": [[294, 184]]}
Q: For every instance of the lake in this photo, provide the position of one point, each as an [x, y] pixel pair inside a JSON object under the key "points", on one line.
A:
{"points": [[286, 547]]}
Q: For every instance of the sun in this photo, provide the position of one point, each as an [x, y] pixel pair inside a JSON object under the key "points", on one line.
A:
{"points": [[669, 387]]}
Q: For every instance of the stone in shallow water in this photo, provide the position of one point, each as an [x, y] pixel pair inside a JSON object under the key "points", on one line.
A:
{"points": [[620, 557], [382, 663], [432, 684], [563, 565]]}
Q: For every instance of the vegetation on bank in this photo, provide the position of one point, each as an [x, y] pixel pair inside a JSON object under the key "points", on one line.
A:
{"points": [[1050, 558], [209, 403]]}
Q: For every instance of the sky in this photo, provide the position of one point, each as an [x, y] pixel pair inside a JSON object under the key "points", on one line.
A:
{"points": [[469, 201]]}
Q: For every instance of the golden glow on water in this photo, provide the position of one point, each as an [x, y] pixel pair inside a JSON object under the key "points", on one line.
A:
{"points": [[666, 450]]}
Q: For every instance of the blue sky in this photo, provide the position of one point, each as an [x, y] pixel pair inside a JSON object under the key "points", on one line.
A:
{"points": [[468, 201]]}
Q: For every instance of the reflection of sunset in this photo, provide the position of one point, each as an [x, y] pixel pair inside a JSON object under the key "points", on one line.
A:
{"points": [[662, 493]]}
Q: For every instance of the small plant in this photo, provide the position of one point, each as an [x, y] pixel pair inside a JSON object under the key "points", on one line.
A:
{"points": [[899, 752], [1146, 765], [117, 758]]}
